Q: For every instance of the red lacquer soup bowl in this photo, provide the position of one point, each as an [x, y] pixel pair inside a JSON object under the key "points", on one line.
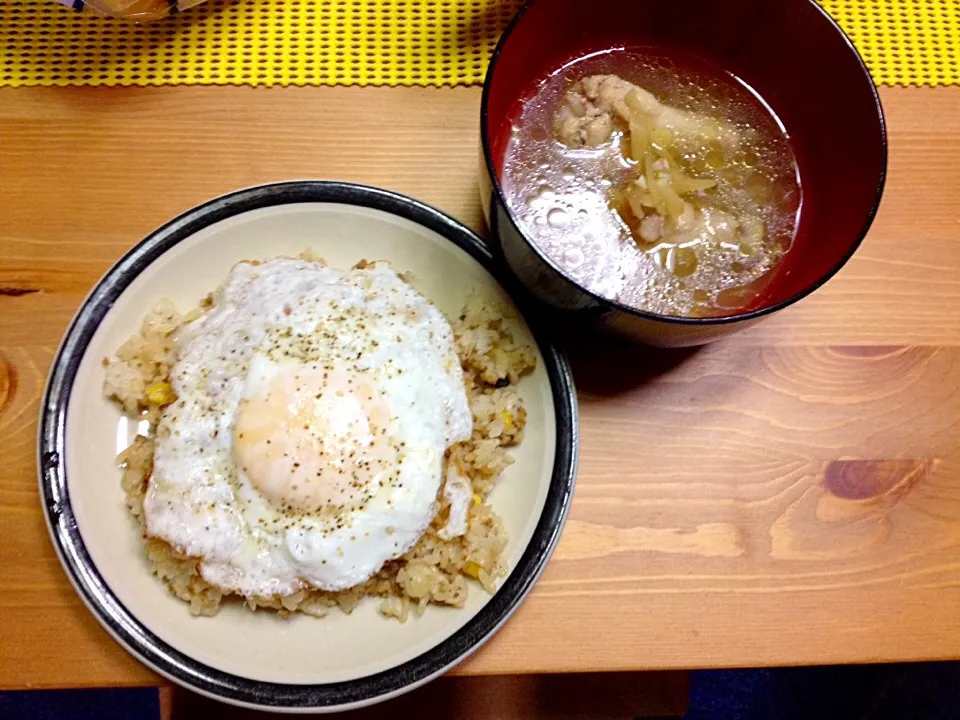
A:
{"points": [[789, 52]]}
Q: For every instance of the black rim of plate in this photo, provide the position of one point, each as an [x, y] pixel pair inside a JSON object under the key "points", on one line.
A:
{"points": [[124, 625]]}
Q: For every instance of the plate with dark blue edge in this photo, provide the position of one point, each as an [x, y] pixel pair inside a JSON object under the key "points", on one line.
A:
{"points": [[260, 659]]}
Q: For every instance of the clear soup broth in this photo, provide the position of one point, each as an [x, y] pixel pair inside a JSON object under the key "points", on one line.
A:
{"points": [[663, 183]]}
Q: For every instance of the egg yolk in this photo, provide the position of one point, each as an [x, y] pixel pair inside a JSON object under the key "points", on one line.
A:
{"points": [[312, 438]]}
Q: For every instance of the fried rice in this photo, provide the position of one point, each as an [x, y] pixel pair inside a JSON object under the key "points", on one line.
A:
{"points": [[434, 571]]}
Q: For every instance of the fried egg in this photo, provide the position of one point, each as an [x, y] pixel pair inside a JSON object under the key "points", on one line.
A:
{"points": [[306, 446]]}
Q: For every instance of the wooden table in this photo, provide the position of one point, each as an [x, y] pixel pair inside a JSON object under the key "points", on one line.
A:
{"points": [[790, 495]]}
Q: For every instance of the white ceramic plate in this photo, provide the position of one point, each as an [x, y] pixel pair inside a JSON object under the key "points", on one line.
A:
{"points": [[260, 659]]}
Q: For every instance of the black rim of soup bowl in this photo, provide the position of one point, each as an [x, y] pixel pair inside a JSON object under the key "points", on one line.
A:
{"points": [[123, 624], [498, 197]]}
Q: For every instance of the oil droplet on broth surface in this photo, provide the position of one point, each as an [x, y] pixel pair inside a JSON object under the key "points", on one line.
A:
{"points": [[558, 218], [573, 257]]}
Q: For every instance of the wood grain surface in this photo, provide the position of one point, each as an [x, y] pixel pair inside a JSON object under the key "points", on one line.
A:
{"points": [[790, 495]]}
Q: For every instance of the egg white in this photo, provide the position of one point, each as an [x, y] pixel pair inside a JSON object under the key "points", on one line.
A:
{"points": [[271, 524]]}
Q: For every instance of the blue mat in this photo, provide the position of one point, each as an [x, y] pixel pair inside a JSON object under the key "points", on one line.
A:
{"points": [[922, 691], [136, 704]]}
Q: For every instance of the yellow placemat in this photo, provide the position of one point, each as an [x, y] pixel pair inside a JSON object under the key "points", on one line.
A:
{"points": [[376, 42]]}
